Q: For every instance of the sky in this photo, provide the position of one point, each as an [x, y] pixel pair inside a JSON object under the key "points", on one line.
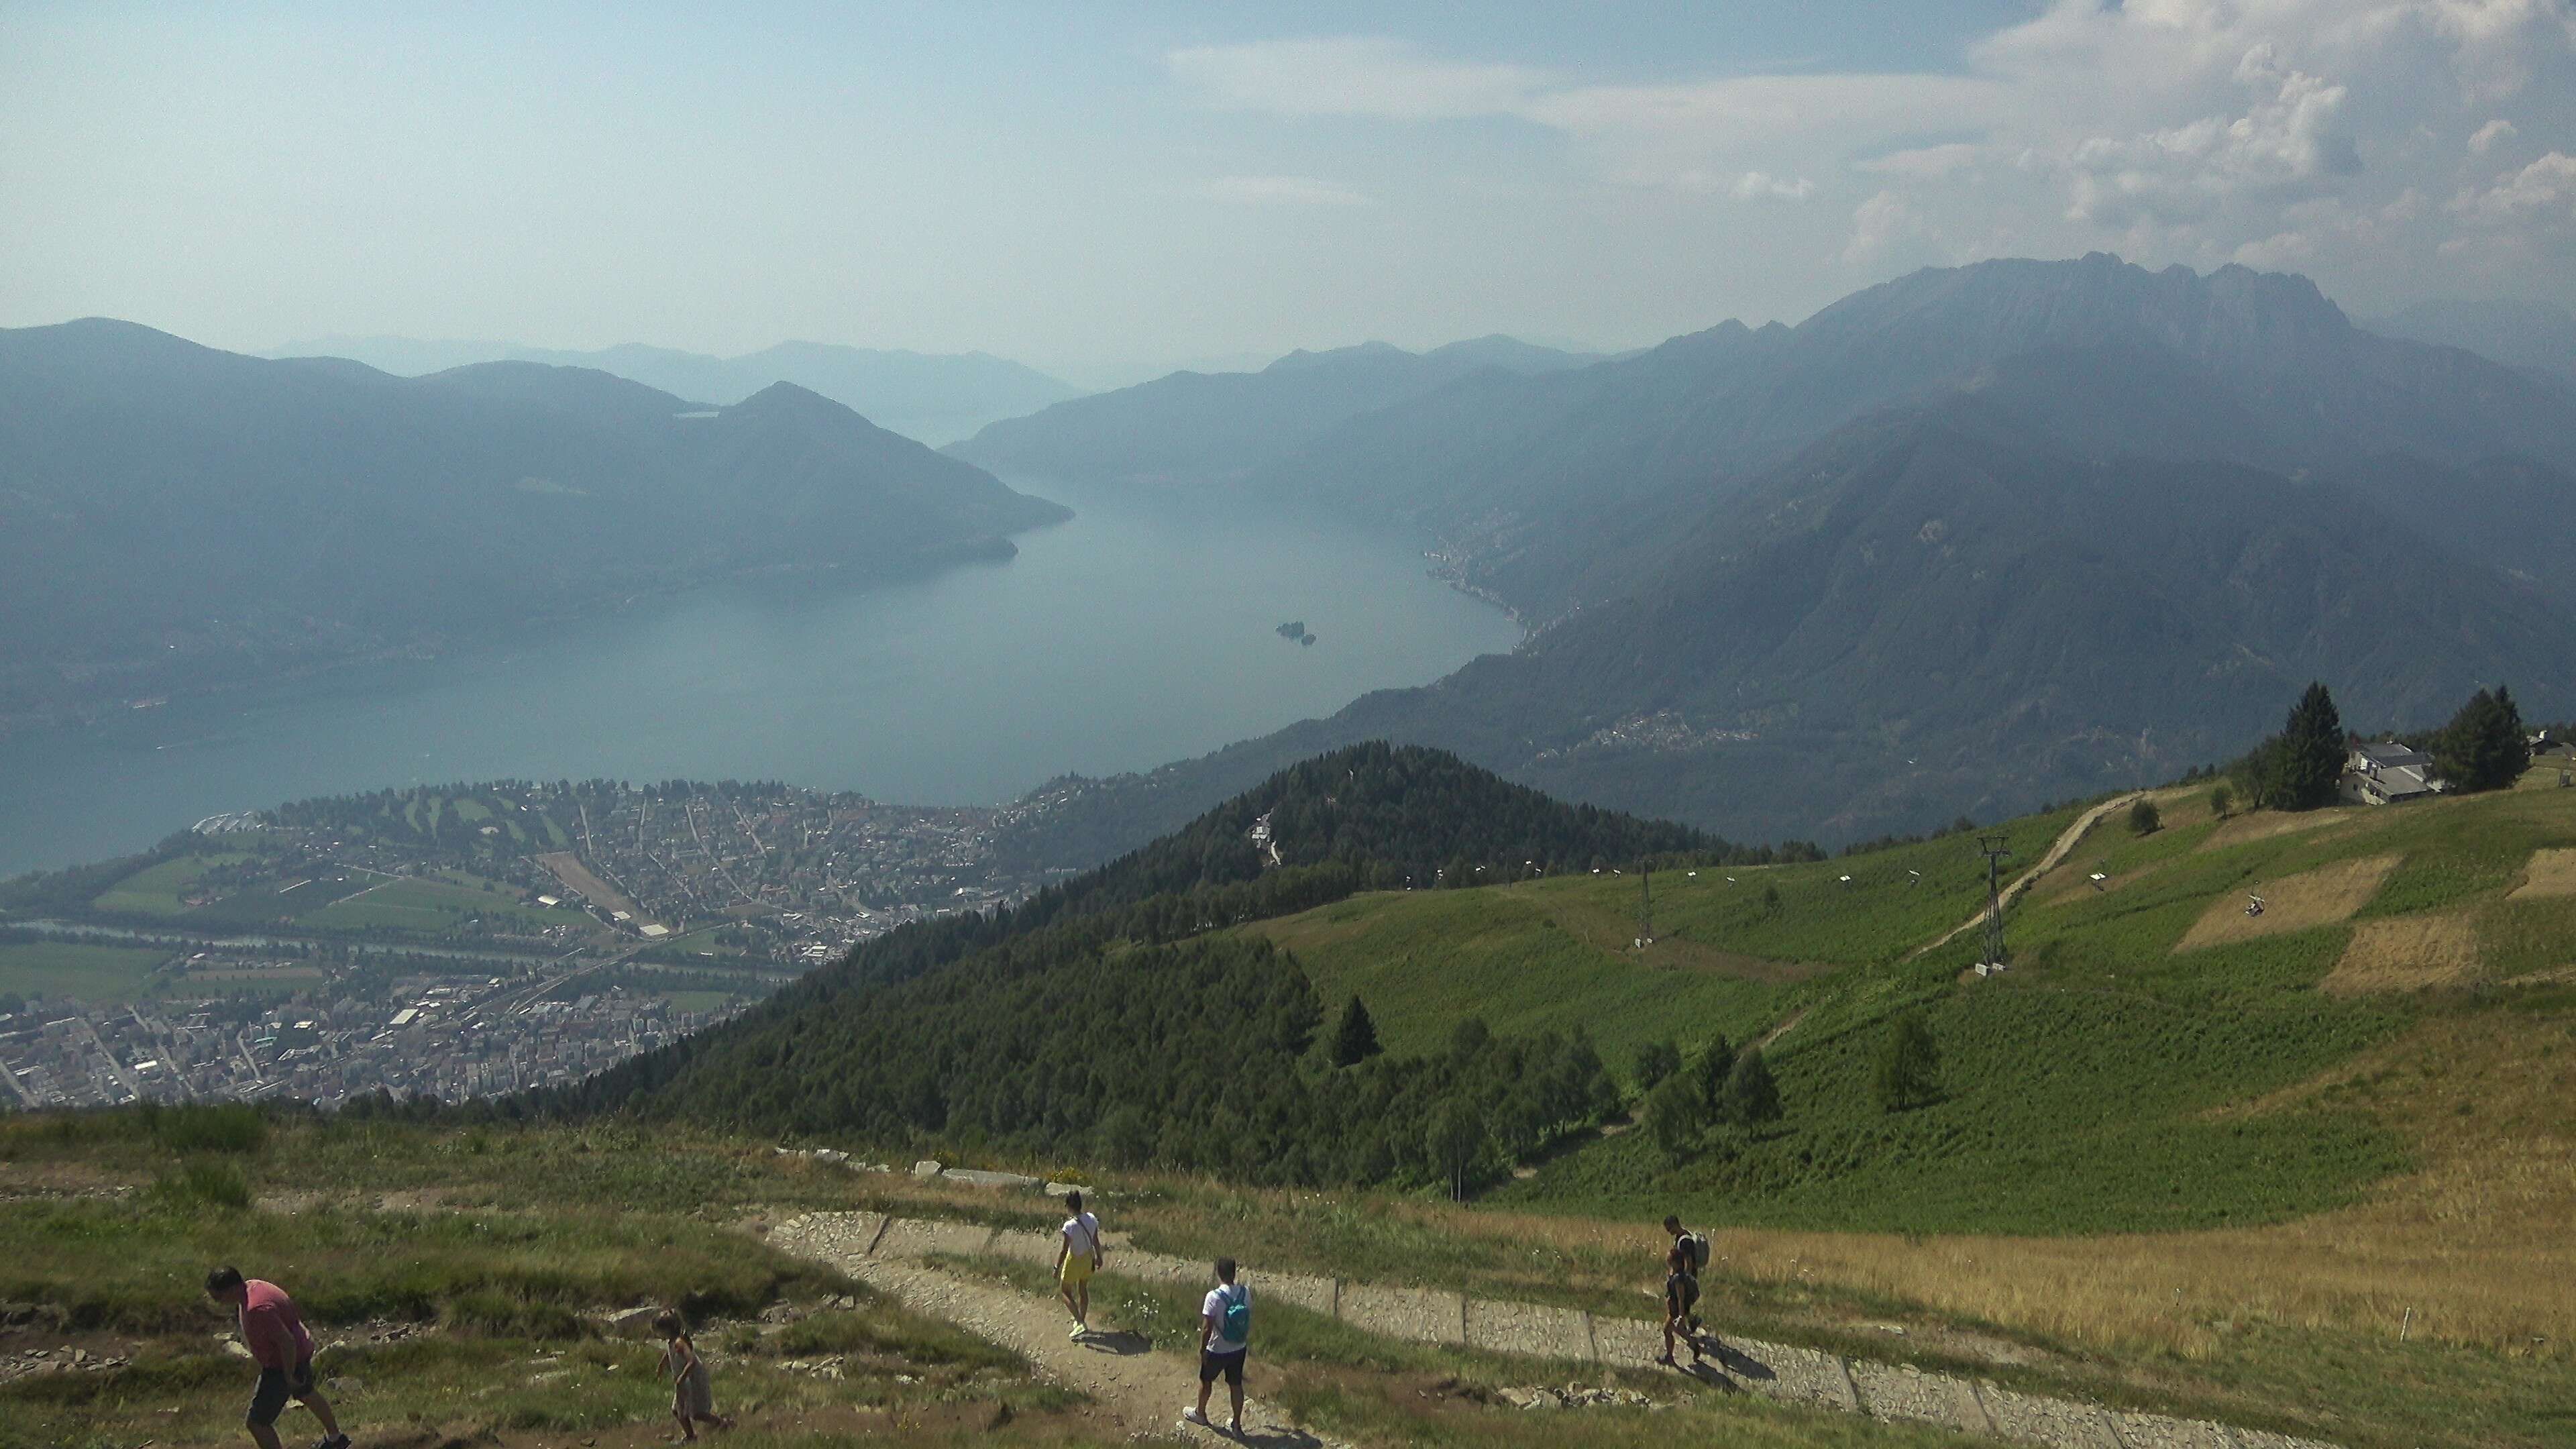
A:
{"points": [[1107, 191]]}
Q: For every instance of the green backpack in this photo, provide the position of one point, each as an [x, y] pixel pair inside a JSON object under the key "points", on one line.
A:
{"points": [[1235, 1326]]}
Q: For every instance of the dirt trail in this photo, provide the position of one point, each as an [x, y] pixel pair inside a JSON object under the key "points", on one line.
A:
{"points": [[1147, 1394], [2057, 853], [1140, 1393]]}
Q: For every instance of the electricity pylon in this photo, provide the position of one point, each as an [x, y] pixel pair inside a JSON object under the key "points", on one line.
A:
{"points": [[1994, 848]]}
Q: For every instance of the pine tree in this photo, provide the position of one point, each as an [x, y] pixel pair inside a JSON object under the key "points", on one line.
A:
{"points": [[2312, 753], [1355, 1038], [1909, 1065], [1709, 1078], [2484, 747], [1752, 1097]]}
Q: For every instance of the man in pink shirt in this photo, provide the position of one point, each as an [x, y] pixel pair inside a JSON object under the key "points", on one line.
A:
{"points": [[274, 1333]]}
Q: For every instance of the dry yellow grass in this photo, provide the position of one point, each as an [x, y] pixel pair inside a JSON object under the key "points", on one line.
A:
{"points": [[2265, 824], [2406, 953], [2551, 873], [2319, 897]]}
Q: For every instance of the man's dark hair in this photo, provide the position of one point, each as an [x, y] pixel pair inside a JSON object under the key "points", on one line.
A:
{"points": [[1073, 1200], [1225, 1270], [1672, 1224], [667, 1323], [223, 1280]]}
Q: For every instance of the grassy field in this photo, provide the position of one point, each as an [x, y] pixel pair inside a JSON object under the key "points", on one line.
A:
{"points": [[430, 905], [454, 1278], [158, 890], [100, 974]]}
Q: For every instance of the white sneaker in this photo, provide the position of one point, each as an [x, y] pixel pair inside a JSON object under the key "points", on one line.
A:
{"points": [[1191, 1415], [1076, 1332]]}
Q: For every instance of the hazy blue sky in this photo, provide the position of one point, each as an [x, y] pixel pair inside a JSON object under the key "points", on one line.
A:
{"points": [[1103, 189]]}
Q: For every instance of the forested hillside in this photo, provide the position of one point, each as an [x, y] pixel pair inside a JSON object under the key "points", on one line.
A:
{"points": [[1091, 1020], [181, 517]]}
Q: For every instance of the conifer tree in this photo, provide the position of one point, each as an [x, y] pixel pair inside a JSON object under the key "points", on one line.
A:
{"points": [[1909, 1065], [1709, 1078], [2312, 753], [2484, 747], [1355, 1038]]}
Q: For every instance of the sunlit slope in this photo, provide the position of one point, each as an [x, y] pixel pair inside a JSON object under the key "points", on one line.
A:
{"points": [[2156, 1058]]}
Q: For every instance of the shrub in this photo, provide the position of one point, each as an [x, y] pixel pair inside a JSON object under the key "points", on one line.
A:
{"points": [[235, 1127], [2144, 818], [1909, 1065], [202, 1184], [1673, 1117], [1752, 1096], [503, 1314], [1657, 1060], [2221, 801]]}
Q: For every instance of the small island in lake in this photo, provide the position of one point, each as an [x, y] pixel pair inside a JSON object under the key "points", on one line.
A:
{"points": [[1296, 629]]}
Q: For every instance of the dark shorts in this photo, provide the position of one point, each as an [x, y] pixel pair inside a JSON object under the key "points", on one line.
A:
{"points": [[1228, 1364], [276, 1386]]}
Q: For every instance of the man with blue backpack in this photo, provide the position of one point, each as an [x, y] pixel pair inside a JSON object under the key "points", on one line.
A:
{"points": [[1225, 1335]]}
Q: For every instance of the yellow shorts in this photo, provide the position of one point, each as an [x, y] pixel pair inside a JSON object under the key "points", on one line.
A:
{"points": [[1077, 1270]]}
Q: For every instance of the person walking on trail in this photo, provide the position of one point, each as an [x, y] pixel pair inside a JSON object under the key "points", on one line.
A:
{"points": [[273, 1331], [1077, 1256], [1694, 1249], [1681, 1298], [1225, 1335], [693, 1393]]}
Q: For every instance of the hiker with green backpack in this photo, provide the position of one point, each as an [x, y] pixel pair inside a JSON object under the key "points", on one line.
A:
{"points": [[1225, 1336]]}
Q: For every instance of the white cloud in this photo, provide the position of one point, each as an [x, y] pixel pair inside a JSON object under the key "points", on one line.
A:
{"points": [[2303, 133], [1878, 225], [2544, 190], [1352, 76], [1762, 186], [1923, 163], [1281, 191], [2288, 142], [2490, 133]]}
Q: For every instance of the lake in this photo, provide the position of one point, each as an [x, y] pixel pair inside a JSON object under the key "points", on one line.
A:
{"points": [[1121, 640]]}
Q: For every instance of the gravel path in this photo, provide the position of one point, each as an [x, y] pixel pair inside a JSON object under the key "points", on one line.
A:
{"points": [[1140, 1393], [1146, 1394]]}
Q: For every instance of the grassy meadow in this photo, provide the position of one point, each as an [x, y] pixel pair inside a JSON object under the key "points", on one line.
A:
{"points": [[105, 974]]}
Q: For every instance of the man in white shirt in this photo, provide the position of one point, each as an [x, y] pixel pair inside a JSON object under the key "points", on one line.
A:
{"points": [[1077, 1256], [1225, 1333]]}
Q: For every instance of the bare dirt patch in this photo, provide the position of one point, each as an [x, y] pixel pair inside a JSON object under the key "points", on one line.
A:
{"points": [[2551, 873], [2319, 897], [2406, 953], [2265, 824]]}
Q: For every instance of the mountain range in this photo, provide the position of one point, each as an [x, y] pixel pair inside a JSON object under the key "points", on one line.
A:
{"points": [[933, 397], [2533, 336], [1967, 540], [179, 517], [1190, 427]]}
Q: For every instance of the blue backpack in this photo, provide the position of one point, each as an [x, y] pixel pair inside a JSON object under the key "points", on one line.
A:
{"points": [[1236, 1324]]}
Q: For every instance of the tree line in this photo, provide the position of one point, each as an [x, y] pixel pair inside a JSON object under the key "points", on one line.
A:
{"points": [[2485, 746]]}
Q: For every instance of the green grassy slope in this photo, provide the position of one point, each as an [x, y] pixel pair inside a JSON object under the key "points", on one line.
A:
{"points": [[2101, 1085]]}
